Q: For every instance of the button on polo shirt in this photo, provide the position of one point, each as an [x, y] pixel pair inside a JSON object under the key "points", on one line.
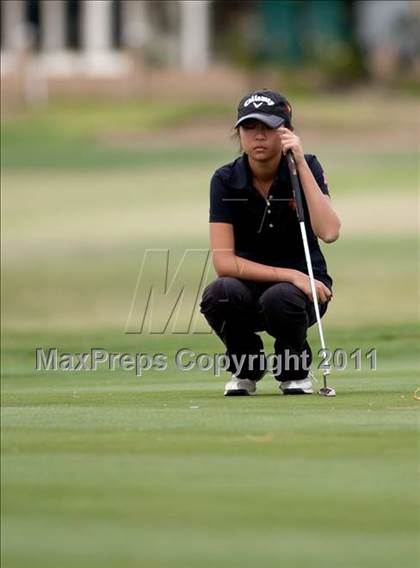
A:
{"points": [[266, 229]]}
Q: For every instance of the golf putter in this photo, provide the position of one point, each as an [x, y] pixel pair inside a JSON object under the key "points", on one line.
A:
{"points": [[325, 390]]}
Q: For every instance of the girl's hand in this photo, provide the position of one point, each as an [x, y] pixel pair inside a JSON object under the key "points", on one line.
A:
{"points": [[289, 141], [301, 281]]}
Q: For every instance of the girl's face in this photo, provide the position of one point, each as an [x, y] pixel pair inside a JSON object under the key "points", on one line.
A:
{"points": [[260, 142]]}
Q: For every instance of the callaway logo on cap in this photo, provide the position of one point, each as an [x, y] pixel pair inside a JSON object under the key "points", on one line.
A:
{"points": [[267, 106]]}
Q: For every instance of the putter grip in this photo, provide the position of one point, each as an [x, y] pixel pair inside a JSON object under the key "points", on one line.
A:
{"points": [[295, 185]]}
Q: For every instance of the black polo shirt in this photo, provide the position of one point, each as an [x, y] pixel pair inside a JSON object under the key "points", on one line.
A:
{"points": [[267, 230]]}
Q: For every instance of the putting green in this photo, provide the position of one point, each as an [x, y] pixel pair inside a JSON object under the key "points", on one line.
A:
{"points": [[105, 468]]}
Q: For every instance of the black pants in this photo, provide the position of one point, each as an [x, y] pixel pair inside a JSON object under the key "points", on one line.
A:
{"points": [[236, 309]]}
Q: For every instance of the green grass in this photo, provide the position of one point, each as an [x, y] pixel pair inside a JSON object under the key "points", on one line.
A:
{"points": [[67, 134], [357, 149], [104, 469]]}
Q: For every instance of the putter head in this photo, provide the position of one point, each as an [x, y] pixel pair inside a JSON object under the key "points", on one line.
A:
{"points": [[327, 391]]}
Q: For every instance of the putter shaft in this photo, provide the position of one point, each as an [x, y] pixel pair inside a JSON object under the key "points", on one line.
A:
{"points": [[301, 218]]}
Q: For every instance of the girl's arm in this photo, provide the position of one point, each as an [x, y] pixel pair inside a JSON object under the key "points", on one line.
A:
{"points": [[227, 263], [325, 222]]}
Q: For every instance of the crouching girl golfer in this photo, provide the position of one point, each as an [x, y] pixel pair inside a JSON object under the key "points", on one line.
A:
{"points": [[257, 249]]}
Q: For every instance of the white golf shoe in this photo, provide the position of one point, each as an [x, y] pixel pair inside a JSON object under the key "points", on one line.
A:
{"points": [[240, 387], [304, 386]]}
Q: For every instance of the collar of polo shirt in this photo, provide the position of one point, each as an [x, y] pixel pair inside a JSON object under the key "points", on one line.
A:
{"points": [[241, 177]]}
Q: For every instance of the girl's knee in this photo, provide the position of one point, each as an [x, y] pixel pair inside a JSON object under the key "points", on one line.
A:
{"points": [[283, 297], [224, 290]]}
